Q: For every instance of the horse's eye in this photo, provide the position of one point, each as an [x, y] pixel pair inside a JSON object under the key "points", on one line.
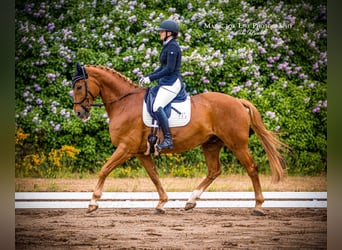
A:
{"points": [[79, 87]]}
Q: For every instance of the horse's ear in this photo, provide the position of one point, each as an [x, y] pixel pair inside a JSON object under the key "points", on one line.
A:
{"points": [[78, 68]]}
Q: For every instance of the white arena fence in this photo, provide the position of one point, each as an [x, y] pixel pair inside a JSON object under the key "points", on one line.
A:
{"points": [[176, 199]]}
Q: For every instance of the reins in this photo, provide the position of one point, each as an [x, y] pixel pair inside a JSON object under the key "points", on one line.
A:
{"points": [[113, 101]]}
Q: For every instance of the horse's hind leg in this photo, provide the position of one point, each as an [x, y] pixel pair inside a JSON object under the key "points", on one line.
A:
{"points": [[248, 163], [211, 151], [148, 163]]}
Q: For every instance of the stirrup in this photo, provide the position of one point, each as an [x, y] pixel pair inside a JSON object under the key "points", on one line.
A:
{"points": [[164, 145]]}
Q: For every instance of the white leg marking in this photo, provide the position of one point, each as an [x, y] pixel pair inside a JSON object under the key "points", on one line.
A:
{"points": [[196, 194], [93, 202]]}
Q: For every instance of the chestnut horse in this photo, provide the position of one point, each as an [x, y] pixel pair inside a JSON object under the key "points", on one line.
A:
{"points": [[217, 120]]}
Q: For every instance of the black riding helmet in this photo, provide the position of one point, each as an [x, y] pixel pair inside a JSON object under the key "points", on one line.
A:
{"points": [[169, 25]]}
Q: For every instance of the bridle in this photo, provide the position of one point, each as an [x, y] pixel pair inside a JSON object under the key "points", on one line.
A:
{"points": [[84, 77]]}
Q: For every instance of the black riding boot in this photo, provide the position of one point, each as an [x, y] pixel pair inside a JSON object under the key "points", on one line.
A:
{"points": [[164, 124]]}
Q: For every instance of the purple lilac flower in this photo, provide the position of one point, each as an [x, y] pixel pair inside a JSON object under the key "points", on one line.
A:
{"points": [[188, 73], [26, 93], [298, 68], [28, 108], [270, 59], [39, 101], [325, 104], [35, 119], [236, 89], [24, 39], [316, 109], [303, 76], [205, 80], [37, 87], [248, 83], [282, 65], [261, 50], [141, 47], [315, 66], [270, 114], [136, 71], [54, 104], [118, 50], [65, 82], [145, 65], [311, 85], [57, 127], [244, 69], [50, 27], [127, 58], [221, 84], [41, 40], [273, 77], [132, 19], [51, 76]]}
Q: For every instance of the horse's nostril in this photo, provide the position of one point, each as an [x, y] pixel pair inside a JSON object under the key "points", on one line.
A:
{"points": [[78, 113]]}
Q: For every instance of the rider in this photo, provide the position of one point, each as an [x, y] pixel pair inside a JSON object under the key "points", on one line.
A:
{"points": [[168, 75]]}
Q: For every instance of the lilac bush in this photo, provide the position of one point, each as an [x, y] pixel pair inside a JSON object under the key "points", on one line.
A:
{"points": [[271, 53]]}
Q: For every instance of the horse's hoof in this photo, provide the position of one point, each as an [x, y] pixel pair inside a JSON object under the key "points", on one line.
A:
{"points": [[159, 211], [92, 208], [189, 205], [258, 212]]}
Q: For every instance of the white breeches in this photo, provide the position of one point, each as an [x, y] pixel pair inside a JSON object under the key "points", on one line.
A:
{"points": [[166, 94]]}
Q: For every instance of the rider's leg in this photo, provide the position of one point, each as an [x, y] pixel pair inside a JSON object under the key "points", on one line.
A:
{"points": [[164, 96], [164, 124]]}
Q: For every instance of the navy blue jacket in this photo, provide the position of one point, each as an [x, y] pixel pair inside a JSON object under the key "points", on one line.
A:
{"points": [[170, 60]]}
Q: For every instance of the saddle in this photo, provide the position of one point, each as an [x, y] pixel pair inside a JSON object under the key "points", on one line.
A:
{"points": [[178, 113]]}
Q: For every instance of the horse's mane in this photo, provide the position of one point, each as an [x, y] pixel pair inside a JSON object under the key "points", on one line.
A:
{"points": [[114, 72]]}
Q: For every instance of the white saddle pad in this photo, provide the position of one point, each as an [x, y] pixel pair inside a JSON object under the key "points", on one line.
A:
{"points": [[175, 120]]}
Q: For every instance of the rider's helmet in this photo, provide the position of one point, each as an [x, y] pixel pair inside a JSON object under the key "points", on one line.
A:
{"points": [[169, 25]]}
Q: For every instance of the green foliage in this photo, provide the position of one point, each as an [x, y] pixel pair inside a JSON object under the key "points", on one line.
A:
{"points": [[271, 53]]}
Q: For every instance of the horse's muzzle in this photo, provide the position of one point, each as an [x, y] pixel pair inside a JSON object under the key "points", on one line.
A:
{"points": [[82, 113]]}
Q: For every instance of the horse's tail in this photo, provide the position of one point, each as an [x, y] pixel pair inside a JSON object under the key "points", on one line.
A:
{"points": [[269, 141]]}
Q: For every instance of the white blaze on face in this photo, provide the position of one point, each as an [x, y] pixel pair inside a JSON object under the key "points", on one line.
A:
{"points": [[196, 194]]}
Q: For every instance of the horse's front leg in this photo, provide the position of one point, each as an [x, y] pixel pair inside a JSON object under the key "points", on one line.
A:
{"points": [[148, 163], [119, 156]]}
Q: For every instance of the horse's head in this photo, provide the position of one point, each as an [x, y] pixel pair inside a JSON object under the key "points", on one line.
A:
{"points": [[84, 93]]}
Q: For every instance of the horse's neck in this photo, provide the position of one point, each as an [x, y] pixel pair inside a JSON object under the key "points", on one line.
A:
{"points": [[116, 85], [112, 84]]}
